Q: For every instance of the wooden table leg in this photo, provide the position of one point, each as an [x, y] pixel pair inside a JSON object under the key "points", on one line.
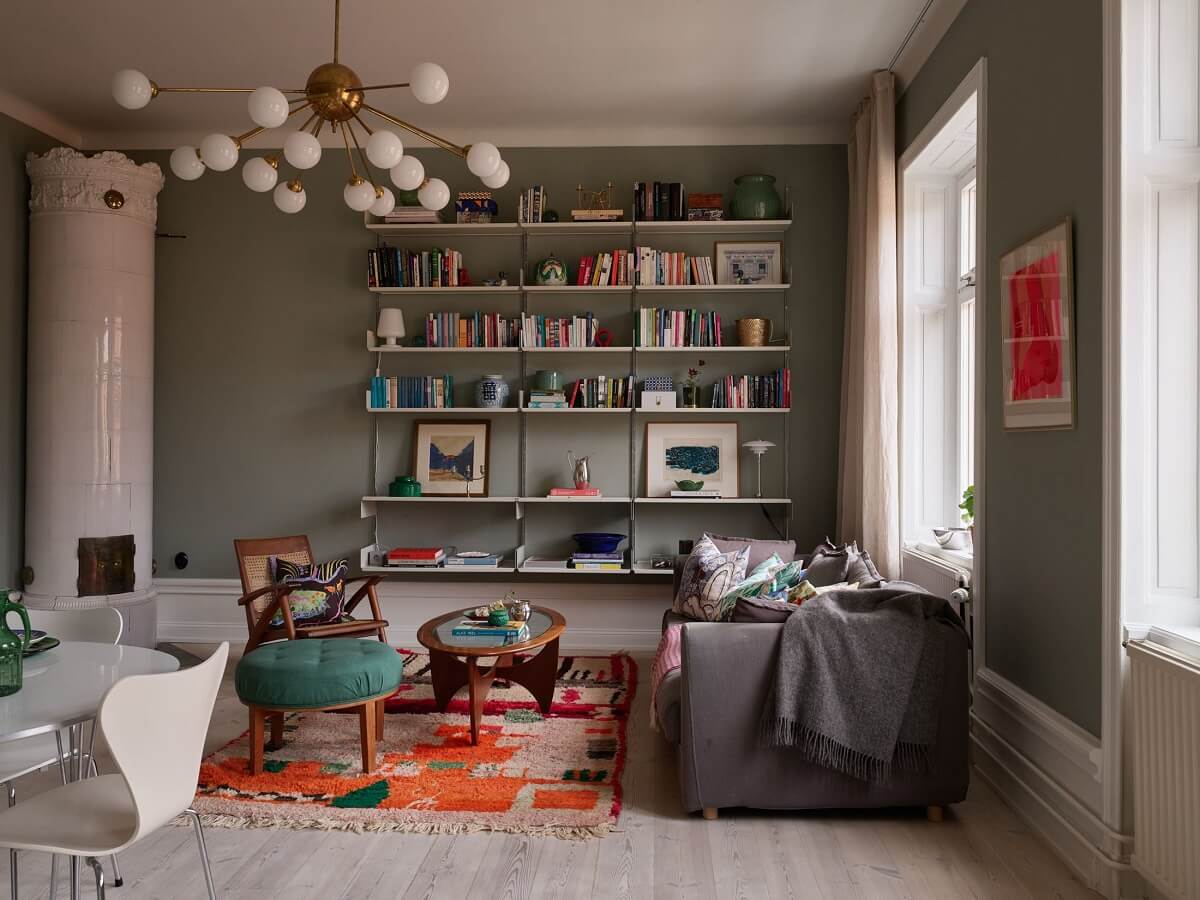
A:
{"points": [[537, 675], [479, 684], [448, 673], [366, 728], [256, 740]]}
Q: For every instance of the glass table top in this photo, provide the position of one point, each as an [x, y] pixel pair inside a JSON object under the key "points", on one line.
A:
{"points": [[539, 622]]}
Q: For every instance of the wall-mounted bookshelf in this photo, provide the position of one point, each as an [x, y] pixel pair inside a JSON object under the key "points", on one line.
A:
{"points": [[527, 444]]}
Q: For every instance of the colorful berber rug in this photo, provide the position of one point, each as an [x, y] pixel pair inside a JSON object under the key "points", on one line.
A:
{"points": [[557, 775]]}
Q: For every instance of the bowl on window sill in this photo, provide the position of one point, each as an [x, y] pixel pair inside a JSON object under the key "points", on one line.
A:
{"points": [[952, 538]]}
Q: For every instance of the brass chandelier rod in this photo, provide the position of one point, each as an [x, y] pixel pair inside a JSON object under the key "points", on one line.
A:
{"points": [[419, 132], [349, 153], [383, 87], [155, 90], [337, 27], [253, 132], [362, 156]]}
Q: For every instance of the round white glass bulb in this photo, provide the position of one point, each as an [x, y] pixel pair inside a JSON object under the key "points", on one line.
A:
{"points": [[219, 152], [359, 197], [289, 201], [132, 89], [483, 159], [429, 82], [186, 164], [259, 175], [302, 150], [408, 173], [385, 204], [268, 107], [499, 178], [434, 194], [384, 149]]}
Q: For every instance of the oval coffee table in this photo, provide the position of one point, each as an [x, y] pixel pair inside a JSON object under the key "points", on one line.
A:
{"points": [[450, 673]]}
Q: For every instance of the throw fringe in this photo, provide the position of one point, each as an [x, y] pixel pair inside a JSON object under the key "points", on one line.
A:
{"points": [[824, 751], [564, 832]]}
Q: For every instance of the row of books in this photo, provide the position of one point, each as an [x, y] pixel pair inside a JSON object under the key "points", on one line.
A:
{"points": [[436, 557], [672, 267], [598, 562], [772, 391], [412, 215], [654, 200], [412, 392], [615, 268], [469, 633], [475, 329], [555, 331], [601, 392], [397, 267], [540, 399], [657, 327], [533, 204]]}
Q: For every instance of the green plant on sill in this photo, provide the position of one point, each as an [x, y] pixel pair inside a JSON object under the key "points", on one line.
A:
{"points": [[968, 504]]}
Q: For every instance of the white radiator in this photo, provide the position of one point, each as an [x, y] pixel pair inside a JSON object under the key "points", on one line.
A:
{"points": [[938, 576], [1165, 689]]}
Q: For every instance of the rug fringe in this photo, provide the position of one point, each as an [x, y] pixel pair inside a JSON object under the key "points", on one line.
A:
{"points": [[563, 832]]}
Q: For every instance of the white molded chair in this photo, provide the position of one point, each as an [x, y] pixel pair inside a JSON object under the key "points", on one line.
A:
{"points": [[155, 727], [35, 754]]}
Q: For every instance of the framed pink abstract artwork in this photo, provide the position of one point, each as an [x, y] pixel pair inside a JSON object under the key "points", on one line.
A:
{"points": [[1037, 312]]}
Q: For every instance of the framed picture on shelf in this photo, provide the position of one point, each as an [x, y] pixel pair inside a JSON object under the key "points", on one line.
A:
{"points": [[1037, 331], [749, 262], [451, 458], [691, 451]]}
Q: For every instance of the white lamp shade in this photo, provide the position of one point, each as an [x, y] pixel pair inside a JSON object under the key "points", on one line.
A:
{"points": [[302, 150], [483, 159], [499, 179], [391, 324], [429, 82], [408, 173], [268, 107], [289, 201], [131, 89], [384, 149], [434, 194], [186, 164], [385, 204], [259, 175], [359, 197], [219, 152]]}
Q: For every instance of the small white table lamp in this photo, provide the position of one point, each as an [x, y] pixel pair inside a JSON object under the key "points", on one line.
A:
{"points": [[391, 325], [759, 449]]}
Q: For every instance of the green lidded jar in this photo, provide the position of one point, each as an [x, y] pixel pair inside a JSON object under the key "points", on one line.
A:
{"points": [[404, 486], [755, 197], [12, 648]]}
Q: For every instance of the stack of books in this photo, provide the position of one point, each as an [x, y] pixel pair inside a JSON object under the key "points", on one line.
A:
{"points": [[475, 329], [574, 492], [412, 392], [604, 269], [412, 215], [658, 327], [549, 331], [468, 631], [416, 557], [705, 207], [471, 560], [533, 204], [547, 400], [602, 392], [394, 267], [598, 562], [543, 562], [657, 200], [695, 494], [672, 267], [772, 391]]}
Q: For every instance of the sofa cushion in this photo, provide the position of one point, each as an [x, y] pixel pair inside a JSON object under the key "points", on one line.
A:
{"points": [[319, 594], [316, 673], [832, 564], [761, 611], [759, 549], [756, 583], [707, 575]]}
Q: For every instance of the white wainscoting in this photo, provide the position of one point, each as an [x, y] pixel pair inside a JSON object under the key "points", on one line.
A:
{"points": [[600, 616]]}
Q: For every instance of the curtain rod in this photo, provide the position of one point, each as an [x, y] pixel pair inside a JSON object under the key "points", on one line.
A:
{"points": [[908, 37]]}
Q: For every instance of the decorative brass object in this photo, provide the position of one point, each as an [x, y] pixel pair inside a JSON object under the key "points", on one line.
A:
{"points": [[753, 332], [105, 565], [114, 199]]}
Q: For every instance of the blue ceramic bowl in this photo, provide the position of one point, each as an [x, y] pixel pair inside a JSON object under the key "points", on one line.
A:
{"points": [[598, 541]]}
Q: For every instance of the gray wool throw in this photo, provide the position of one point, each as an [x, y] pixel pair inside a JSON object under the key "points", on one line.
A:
{"points": [[858, 680]]}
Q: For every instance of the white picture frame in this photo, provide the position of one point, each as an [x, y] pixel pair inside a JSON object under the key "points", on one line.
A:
{"points": [[749, 262], [451, 440], [714, 444]]}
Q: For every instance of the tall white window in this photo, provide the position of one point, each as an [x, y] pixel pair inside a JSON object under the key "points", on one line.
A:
{"points": [[966, 330]]}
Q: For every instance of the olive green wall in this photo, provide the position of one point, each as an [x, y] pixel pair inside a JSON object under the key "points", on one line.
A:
{"points": [[1043, 489], [261, 363], [15, 141]]}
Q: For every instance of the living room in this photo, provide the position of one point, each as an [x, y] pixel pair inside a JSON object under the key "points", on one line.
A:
{"points": [[734, 452]]}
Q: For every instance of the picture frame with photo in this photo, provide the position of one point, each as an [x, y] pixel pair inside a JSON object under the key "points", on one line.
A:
{"points": [[450, 458], [749, 262], [1037, 303], [691, 451]]}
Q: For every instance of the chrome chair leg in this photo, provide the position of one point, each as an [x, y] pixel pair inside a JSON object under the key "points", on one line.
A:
{"points": [[12, 854], [99, 870], [208, 880]]}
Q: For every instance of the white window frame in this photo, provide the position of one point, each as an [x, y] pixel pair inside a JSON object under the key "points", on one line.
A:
{"points": [[968, 243]]}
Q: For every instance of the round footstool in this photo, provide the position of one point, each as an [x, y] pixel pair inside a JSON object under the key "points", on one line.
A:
{"points": [[317, 674]]}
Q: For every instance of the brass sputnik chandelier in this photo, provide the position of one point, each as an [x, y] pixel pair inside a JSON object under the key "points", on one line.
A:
{"points": [[334, 94]]}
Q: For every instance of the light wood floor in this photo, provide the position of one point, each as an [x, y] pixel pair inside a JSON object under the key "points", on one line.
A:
{"points": [[980, 851]]}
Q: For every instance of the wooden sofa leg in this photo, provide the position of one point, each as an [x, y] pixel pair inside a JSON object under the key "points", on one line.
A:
{"points": [[934, 813], [710, 813], [256, 740]]}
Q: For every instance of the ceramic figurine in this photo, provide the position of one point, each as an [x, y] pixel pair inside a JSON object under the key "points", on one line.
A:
{"points": [[579, 469], [550, 271]]}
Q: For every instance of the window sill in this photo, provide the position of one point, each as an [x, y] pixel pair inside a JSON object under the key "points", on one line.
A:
{"points": [[1181, 639], [964, 559]]}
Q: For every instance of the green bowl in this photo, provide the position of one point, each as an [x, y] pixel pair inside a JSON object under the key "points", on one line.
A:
{"points": [[688, 485]]}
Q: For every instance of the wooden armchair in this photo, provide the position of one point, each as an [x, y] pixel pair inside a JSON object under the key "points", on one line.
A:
{"points": [[262, 599]]}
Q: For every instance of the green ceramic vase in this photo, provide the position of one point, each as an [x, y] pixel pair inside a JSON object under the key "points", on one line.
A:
{"points": [[12, 648], [755, 197]]}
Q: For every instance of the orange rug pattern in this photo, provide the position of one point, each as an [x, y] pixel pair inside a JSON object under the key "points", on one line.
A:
{"points": [[558, 774]]}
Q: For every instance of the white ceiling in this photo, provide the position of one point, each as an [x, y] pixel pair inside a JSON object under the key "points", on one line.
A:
{"points": [[522, 72]]}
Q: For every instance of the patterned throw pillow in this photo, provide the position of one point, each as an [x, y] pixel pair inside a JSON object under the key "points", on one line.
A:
{"points": [[754, 585], [320, 591], [783, 580], [707, 575]]}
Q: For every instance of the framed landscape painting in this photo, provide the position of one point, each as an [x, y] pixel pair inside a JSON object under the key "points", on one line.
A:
{"points": [[446, 455], [691, 451], [1037, 308]]}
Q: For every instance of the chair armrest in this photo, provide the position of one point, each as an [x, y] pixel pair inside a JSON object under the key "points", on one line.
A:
{"points": [[366, 590]]}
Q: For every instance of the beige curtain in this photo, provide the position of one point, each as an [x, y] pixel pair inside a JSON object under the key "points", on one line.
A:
{"points": [[868, 464]]}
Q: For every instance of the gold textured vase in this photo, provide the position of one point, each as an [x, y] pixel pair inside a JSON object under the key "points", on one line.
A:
{"points": [[753, 332]]}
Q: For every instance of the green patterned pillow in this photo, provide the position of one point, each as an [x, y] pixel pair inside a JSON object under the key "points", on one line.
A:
{"points": [[783, 580], [753, 586]]}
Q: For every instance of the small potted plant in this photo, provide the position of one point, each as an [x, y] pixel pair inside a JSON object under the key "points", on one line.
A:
{"points": [[691, 387], [968, 510]]}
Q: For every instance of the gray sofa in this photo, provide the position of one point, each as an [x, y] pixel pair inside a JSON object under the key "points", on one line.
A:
{"points": [[709, 709]]}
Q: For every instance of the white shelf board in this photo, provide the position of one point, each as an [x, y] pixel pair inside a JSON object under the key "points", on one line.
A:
{"points": [[580, 410], [435, 498], [505, 566], [471, 289], [384, 348], [445, 228], [573, 499], [725, 501], [577, 349], [618, 227], [578, 289], [718, 226], [712, 288], [643, 567], [770, 348], [444, 410], [709, 411], [534, 570]]}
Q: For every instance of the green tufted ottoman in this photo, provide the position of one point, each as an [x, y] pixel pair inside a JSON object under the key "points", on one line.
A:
{"points": [[330, 673]]}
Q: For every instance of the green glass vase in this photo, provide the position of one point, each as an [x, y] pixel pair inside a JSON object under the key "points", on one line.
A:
{"points": [[12, 648], [755, 197]]}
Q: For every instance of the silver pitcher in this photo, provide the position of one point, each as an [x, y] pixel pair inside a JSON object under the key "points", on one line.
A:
{"points": [[579, 468]]}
